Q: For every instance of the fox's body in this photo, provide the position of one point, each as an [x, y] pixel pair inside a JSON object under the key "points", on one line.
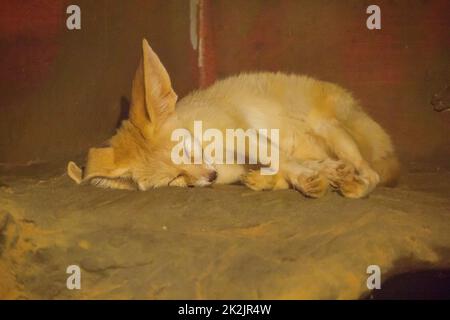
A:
{"points": [[299, 106], [325, 137]]}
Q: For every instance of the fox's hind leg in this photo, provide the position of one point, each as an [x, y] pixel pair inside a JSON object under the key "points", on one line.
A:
{"points": [[341, 143], [343, 177], [306, 178], [303, 177], [336, 171]]}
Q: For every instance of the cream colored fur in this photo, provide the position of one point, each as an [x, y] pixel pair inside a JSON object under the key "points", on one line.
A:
{"points": [[326, 139]]}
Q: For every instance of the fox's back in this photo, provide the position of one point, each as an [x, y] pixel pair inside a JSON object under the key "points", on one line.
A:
{"points": [[272, 96], [298, 105]]}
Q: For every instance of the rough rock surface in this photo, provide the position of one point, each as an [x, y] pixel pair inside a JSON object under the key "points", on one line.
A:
{"points": [[220, 242]]}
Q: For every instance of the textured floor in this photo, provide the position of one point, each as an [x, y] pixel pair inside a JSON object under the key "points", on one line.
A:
{"points": [[220, 242]]}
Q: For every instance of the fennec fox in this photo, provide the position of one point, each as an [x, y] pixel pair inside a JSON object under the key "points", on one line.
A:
{"points": [[326, 140]]}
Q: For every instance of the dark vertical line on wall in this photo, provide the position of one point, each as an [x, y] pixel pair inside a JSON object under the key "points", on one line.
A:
{"points": [[106, 27]]}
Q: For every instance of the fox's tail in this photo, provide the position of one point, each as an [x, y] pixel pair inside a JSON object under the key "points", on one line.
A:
{"points": [[376, 147], [388, 169]]}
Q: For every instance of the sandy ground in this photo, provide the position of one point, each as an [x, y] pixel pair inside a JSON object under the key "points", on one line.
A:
{"points": [[220, 242]]}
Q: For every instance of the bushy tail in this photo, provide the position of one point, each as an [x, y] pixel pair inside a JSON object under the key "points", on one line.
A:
{"points": [[388, 170], [376, 147]]}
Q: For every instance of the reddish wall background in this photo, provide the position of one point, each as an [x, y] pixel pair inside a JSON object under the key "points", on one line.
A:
{"points": [[62, 90]]}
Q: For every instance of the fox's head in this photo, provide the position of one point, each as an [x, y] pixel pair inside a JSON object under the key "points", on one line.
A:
{"points": [[138, 156]]}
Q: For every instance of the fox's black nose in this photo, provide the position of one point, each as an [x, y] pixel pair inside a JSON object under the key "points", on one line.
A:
{"points": [[212, 176]]}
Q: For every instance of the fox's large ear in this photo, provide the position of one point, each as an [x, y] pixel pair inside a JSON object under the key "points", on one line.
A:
{"points": [[152, 96]]}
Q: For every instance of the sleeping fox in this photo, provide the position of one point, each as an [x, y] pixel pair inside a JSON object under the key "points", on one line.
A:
{"points": [[326, 140]]}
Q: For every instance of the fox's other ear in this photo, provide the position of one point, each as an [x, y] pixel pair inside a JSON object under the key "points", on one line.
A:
{"points": [[100, 163], [101, 171], [152, 96]]}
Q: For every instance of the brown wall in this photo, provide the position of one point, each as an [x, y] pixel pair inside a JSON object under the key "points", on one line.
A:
{"points": [[61, 90]]}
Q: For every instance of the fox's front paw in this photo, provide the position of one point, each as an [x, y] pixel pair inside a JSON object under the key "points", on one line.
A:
{"points": [[258, 182], [313, 185], [354, 188], [360, 185], [338, 172], [344, 177]]}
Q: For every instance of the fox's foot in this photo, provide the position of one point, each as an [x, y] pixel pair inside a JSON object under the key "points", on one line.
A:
{"points": [[348, 181], [354, 188], [258, 182], [337, 172], [312, 184]]}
